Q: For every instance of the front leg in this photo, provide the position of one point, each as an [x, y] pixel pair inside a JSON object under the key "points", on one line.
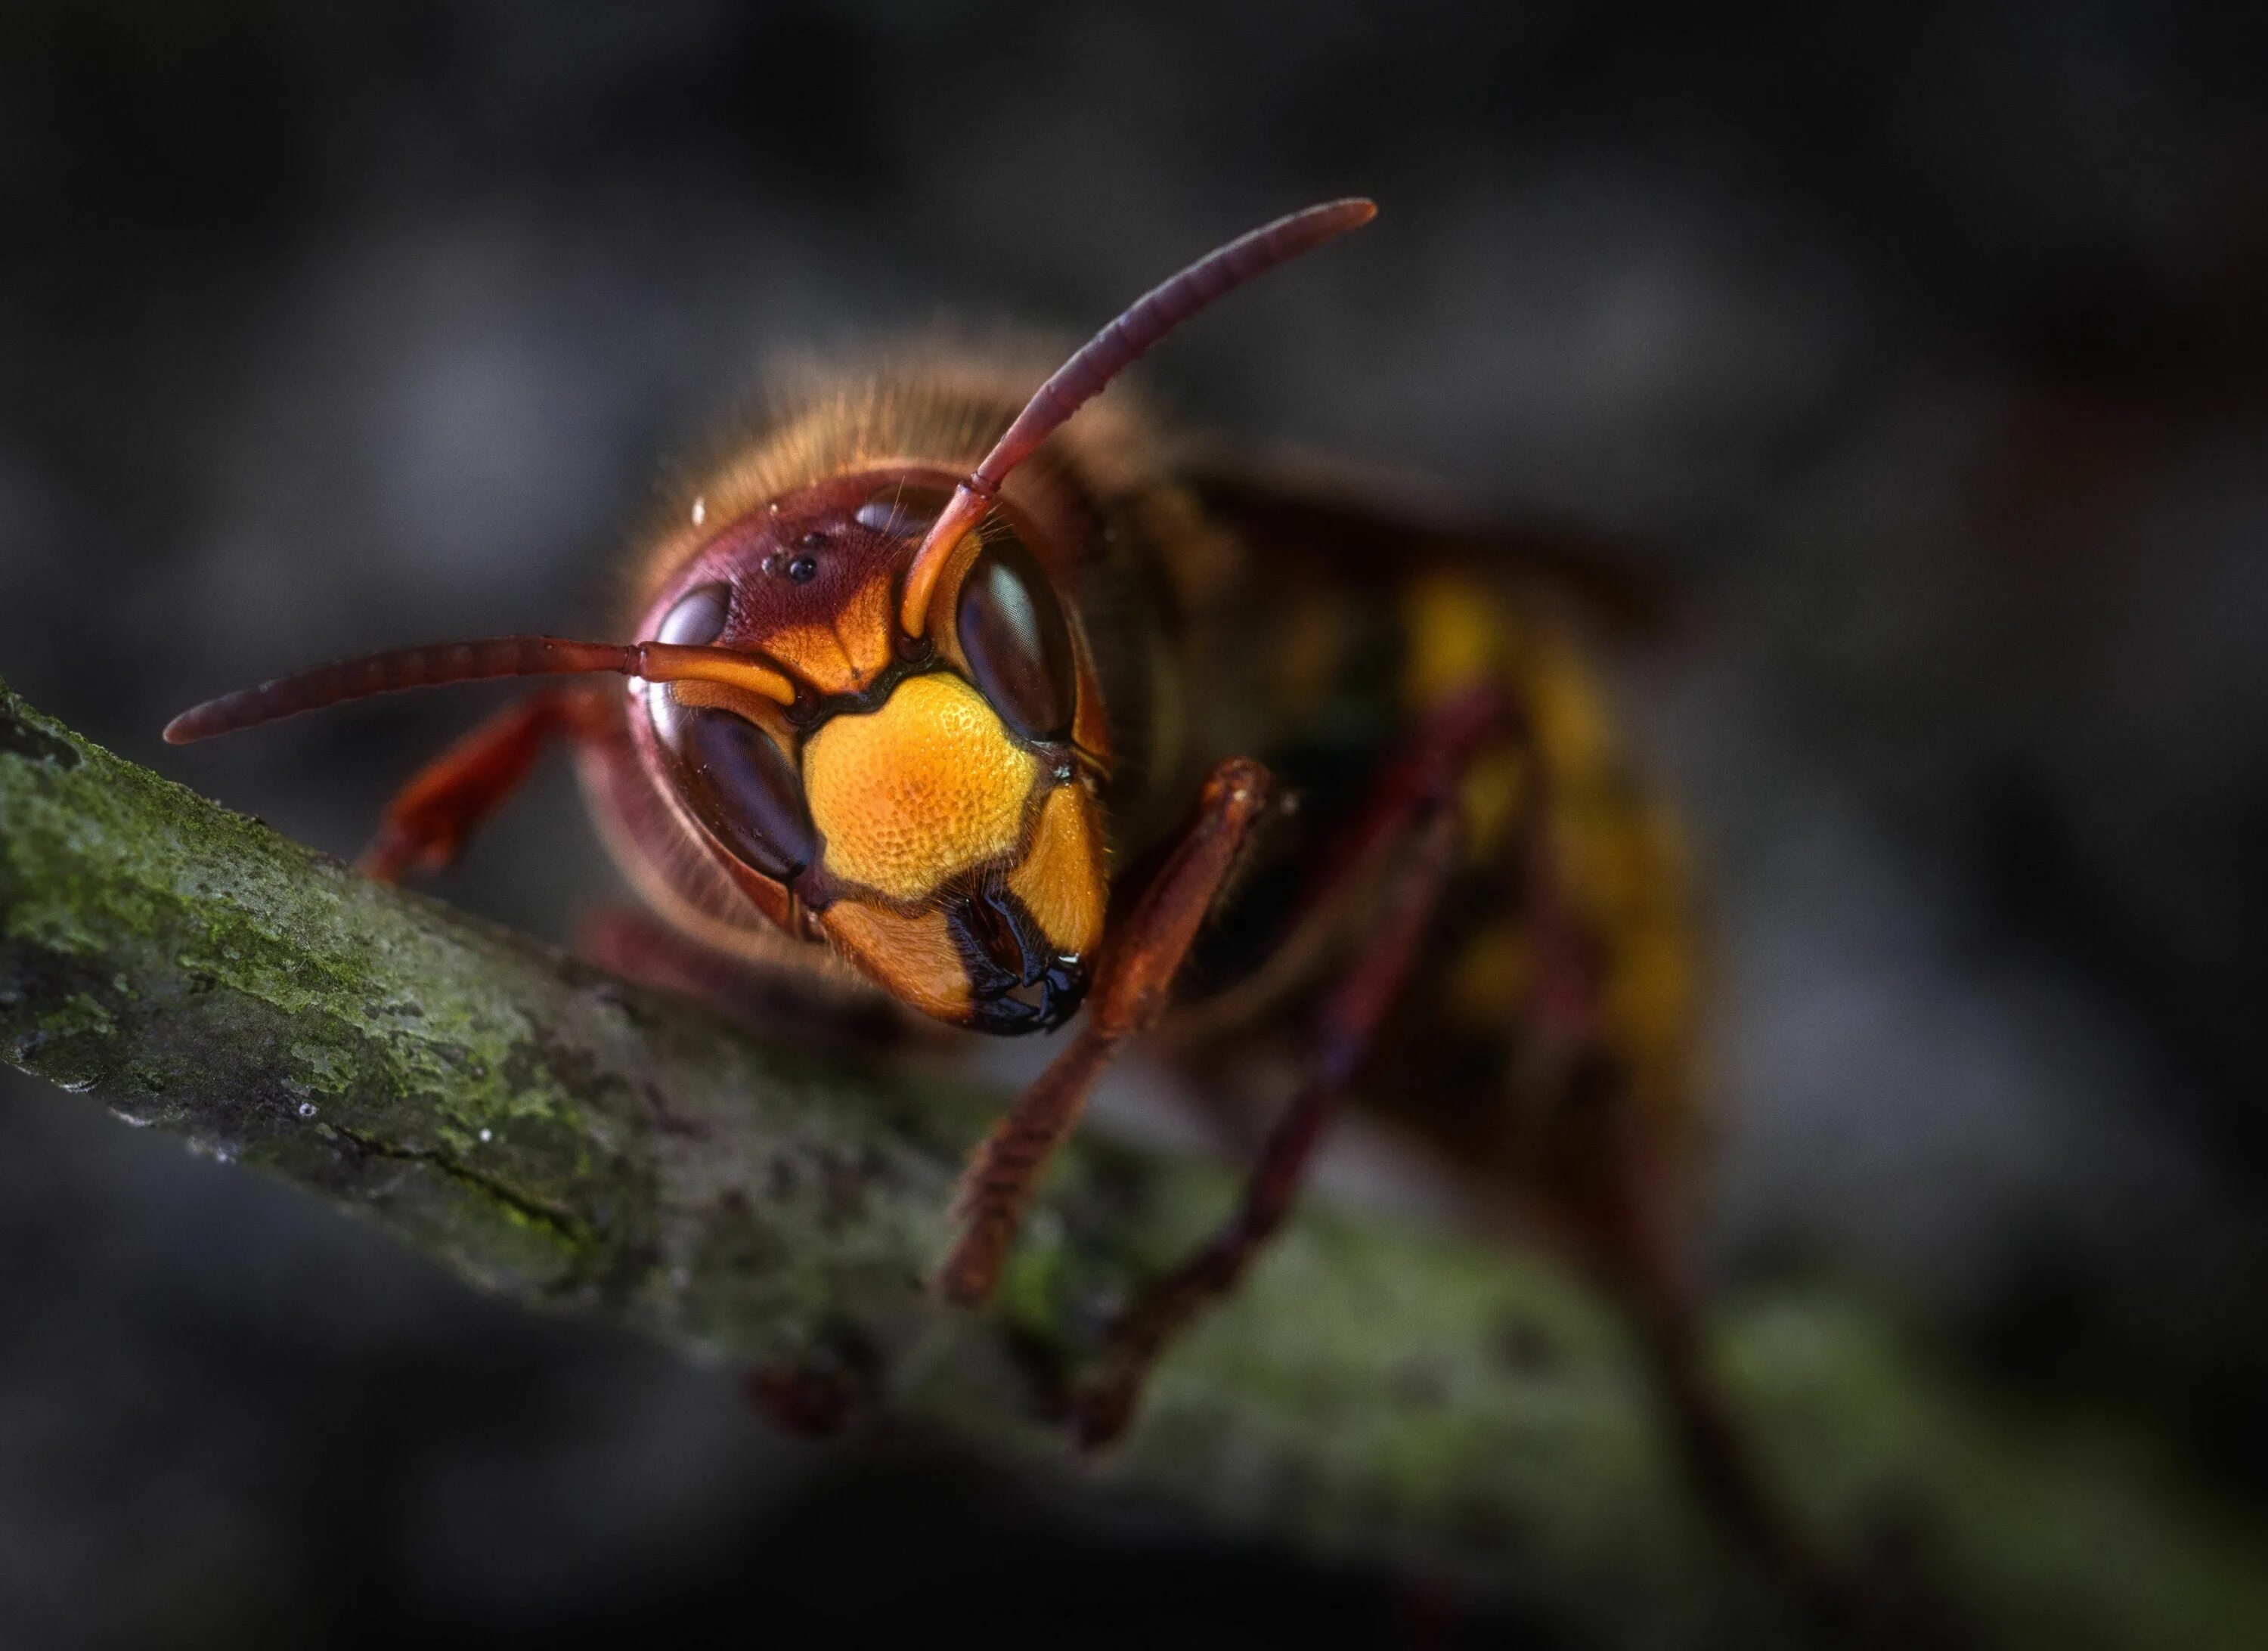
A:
{"points": [[1345, 1028], [1133, 986], [430, 818], [1413, 824]]}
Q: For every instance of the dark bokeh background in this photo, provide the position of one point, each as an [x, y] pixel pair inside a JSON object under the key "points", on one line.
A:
{"points": [[1924, 348]]}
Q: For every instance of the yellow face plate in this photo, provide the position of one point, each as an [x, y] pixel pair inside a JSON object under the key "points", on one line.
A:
{"points": [[926, 787]]}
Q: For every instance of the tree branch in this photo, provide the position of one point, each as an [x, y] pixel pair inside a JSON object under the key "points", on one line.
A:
{"points": [[584, 1146]]}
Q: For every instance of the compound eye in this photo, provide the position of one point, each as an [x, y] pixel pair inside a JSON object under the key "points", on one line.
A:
{"points": [[1012, 633], [902, 513], [698, 619], [742, 787]]}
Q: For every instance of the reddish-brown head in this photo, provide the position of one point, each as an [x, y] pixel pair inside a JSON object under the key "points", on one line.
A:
{"points": [[869, 700], [928, 803]]}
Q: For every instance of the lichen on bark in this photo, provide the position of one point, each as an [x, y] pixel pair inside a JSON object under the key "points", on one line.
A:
{"points": [[1377, 1387]]}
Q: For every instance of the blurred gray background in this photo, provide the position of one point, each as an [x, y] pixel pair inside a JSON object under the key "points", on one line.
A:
{"points": [[1923, 349]]}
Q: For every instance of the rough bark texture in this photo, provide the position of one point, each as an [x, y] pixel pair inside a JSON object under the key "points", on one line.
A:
{"points": [[585, 1146]]}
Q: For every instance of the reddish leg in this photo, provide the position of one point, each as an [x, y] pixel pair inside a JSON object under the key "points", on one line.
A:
{"points": [[1415, 817], [1132, 988], [430, 818], [1441, 748], [1349, 1022]]}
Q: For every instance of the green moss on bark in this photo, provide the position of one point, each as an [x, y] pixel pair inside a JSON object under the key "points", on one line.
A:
{"points": [[583, 1145]]}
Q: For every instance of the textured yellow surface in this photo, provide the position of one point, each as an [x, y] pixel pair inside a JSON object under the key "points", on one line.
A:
{"points": [[928, 786], [1060, 880]]}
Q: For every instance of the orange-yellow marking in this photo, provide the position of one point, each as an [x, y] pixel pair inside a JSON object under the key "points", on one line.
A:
{"points": [[926, 787], [1457, 637], [1060, 880], [915, 958], [842, 656]]}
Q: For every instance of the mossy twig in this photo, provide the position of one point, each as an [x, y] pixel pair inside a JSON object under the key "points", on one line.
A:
{"points": [[584, 1146]]}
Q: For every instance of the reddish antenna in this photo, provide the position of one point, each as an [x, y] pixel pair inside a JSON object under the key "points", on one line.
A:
{"points": [[1101, 358], [439, 662], [1078, 380]]}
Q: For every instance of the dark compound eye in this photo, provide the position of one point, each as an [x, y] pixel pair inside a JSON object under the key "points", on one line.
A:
{"points": [[803, 568], [1013, 632], [742, 786], [698, 619], [902, 513], [695, 620]]}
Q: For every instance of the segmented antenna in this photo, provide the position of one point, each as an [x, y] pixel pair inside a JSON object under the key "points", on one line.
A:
{"points": [[1101, 358], [436, 663]]}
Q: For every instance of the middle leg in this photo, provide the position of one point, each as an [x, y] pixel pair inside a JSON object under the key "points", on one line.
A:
{"points": [[428, 822], [1132, 989], [1414, 819], [1349, 1022]]}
